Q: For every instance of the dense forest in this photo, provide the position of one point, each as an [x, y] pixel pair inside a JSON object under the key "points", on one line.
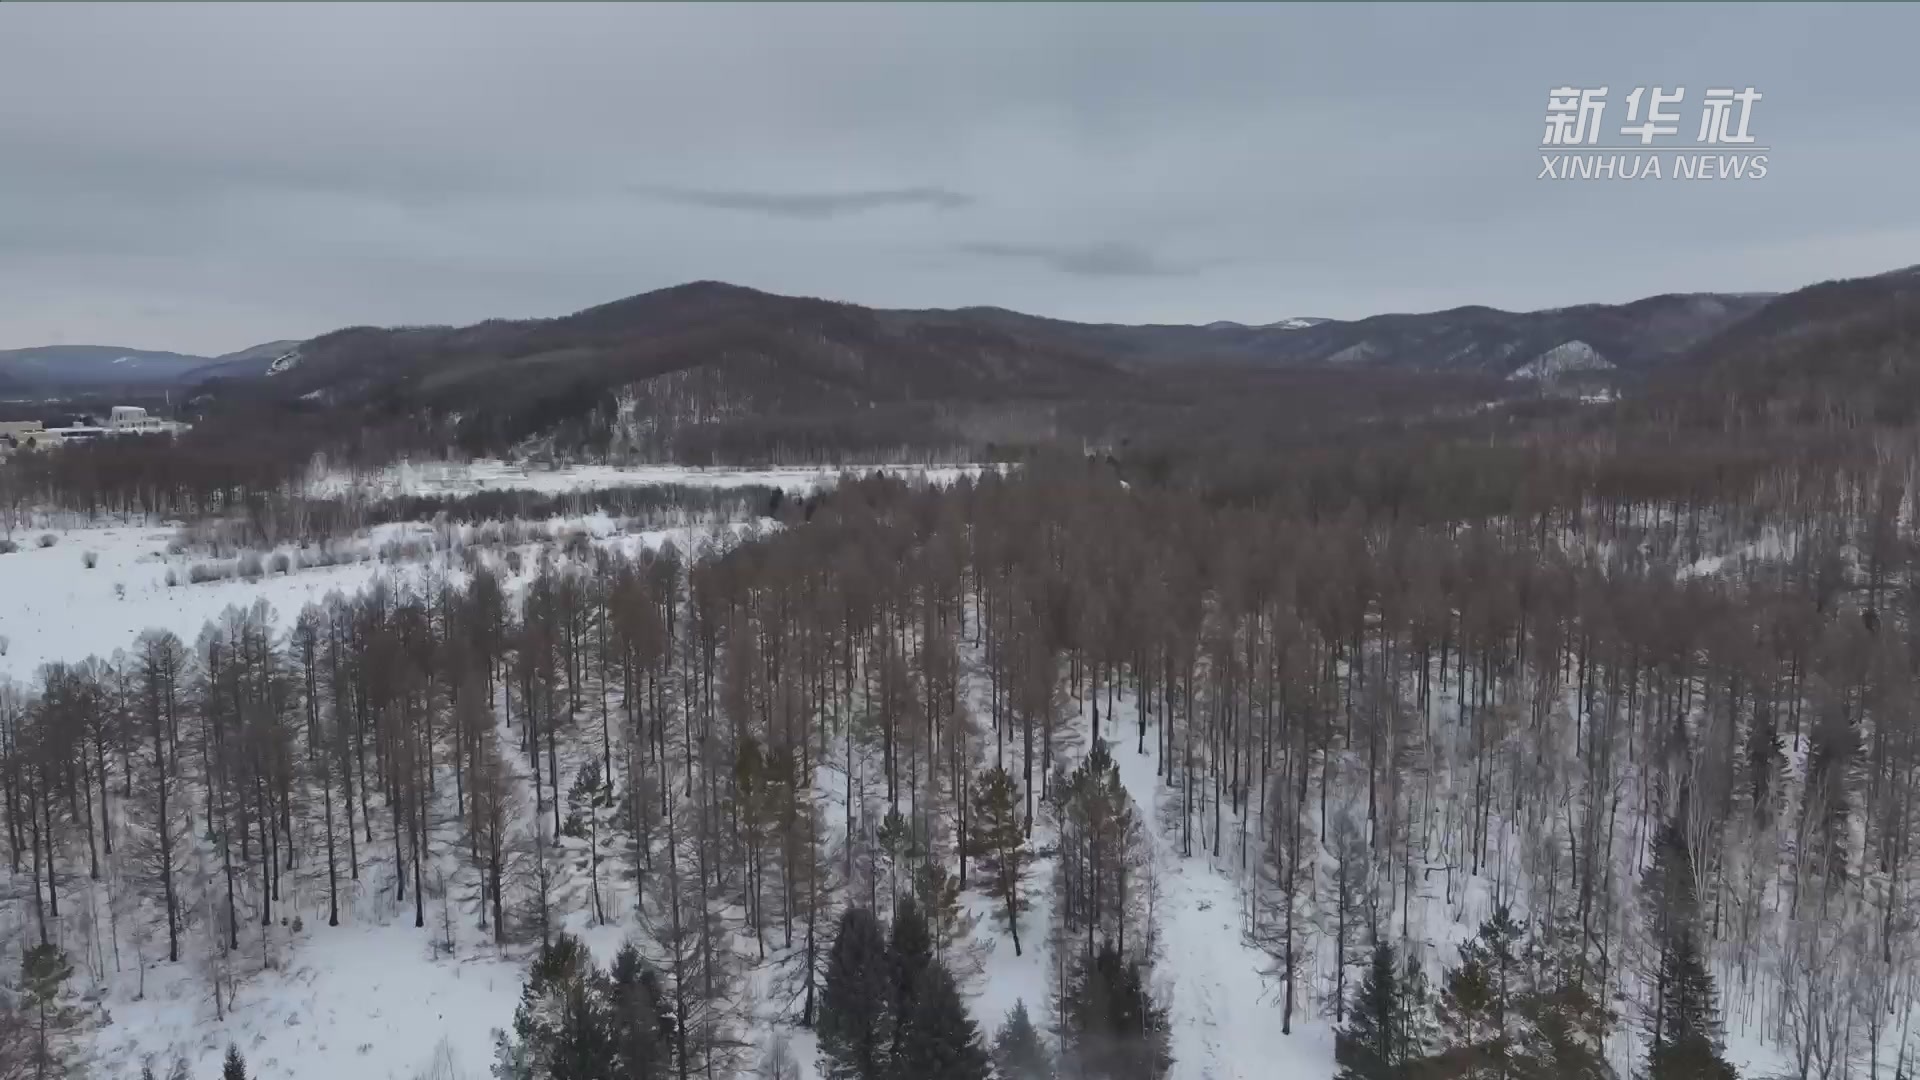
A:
{"points": [[1538, 741]]}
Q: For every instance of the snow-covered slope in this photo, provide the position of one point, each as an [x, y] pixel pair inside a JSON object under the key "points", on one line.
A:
{"points": [[1563, 359]]}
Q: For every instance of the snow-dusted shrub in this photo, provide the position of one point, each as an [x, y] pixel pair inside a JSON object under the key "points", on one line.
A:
{"points": [[8, 547], [252, 567], [90, 559], [280, 562], [201, 572], [513, 562], [47, 540], [397, 550], [173, 579]]}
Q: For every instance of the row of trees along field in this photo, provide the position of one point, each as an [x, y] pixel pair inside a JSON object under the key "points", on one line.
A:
{"points": [[1695, 788]]}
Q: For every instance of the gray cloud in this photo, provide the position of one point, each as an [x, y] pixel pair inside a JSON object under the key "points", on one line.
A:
{"points": [[1086, 260], [795, 204], [209, 176]]}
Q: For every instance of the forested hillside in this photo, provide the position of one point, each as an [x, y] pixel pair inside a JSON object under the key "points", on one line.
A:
{"points": [[1577, 741], [708, 373]]}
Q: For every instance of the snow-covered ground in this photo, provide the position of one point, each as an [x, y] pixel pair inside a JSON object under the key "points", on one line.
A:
{"points": [[53, 607], [363, 999], [439, 478], [1224, 1007]]}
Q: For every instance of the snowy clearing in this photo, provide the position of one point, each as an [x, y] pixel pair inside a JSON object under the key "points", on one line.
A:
{"points": [[440, 478]]}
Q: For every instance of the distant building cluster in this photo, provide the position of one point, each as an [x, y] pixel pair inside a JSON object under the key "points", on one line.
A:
{"points": [[121, 420]]}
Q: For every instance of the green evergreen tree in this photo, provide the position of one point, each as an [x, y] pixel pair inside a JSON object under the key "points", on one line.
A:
{"points": [[855, 1000], [1114, 1029], [1386, 1031], [580, 1045], [1668, 897], [1018, 1053], [939, 892], [911, 956], [235, 1066], [942, 1042], [1684, 1043], [1477, 1002], [1688, 1046], [564, 1024], [897, 842], [643, 1031], [1565, 1023], [44, 972], [999, 838]]}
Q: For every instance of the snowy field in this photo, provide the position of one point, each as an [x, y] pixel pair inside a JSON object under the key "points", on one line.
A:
{"points": [[438, 478], [54, 607]]}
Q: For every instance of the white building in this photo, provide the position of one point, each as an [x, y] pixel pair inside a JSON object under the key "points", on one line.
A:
{"points": [[132, 419]]}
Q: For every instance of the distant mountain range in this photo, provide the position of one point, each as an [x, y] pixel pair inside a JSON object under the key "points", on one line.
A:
{"points": [[64, 370], [58, 368], [709, 352], [1470, 339]]}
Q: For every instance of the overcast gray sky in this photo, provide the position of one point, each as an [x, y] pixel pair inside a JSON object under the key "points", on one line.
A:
{"points": [[201, 178]]}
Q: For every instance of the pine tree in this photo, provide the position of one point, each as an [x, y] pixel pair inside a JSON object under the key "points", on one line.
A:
{"points": [[939, 892], [1684, 1043], [855, 1000], [235, 1066], [1477, 1001], [1564, 1026], [1018, 1053], [564, 1023], [643, 1031], [44, 972], [932, 1035], [911, 956], [942, 1042], [1000, 840], [1386, 1030], [1114, 1029], [1667, 896], [1688, 1046], [580, 1044]]}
